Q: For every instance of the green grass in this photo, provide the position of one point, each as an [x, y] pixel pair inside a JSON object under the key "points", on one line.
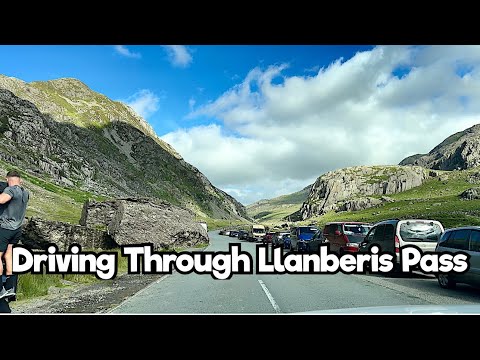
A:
{"points": [[34, 285]]}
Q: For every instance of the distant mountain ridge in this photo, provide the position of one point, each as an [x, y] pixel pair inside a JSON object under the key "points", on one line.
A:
{"points": [[459, 151], [268, 207], [74, 137]]}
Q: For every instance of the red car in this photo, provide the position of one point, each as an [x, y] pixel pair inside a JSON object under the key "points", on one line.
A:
{"points": [[268, 238]]}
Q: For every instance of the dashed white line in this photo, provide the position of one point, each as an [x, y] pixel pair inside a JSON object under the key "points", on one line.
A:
{"points": [[270, 297]]}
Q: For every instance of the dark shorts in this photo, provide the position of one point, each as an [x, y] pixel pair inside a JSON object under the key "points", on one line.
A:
{"points": [[9, 237]]}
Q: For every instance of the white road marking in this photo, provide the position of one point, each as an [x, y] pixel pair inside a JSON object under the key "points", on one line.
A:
{"points": [[270, 297]]}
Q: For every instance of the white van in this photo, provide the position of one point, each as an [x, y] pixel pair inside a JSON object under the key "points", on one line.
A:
{"points": [[391, 235], [256, 232]]}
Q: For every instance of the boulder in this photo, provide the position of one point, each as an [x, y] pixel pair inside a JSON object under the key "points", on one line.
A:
{"points": [[471, 194], [39, 233], [140, 220]]}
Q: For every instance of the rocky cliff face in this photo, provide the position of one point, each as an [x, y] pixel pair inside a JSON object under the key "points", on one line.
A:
{"points": [[139, 221], [71, 101], [112, 154], [348, 189], [457, 152]]}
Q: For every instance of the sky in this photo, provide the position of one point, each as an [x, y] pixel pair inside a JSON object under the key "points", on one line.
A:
{"points": [[262, 121]]}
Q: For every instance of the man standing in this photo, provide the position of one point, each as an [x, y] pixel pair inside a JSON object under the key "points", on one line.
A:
{"points": [[15, 198]]}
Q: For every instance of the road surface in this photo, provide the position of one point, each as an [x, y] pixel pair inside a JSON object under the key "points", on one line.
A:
{"points": [[270, 294]]}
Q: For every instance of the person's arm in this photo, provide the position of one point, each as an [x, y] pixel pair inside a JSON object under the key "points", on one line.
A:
{"points": [[5, 198]]}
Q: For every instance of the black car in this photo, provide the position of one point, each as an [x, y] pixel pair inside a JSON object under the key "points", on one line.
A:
{"points": [[317, 239], [243, 235], [233, 233]]}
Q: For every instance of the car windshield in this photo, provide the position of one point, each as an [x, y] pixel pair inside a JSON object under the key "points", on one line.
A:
{"points": [[415, 231], [308, 230], [137, 158]]}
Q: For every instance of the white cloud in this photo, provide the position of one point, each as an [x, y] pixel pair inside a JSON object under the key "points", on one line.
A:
{"points": [[123, 50], [178, 55], [354, 112], [144, 102], [191, 103]]}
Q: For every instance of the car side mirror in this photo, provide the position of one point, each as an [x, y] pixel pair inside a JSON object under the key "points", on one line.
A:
{"points": [[337, 232], [364, 243]]}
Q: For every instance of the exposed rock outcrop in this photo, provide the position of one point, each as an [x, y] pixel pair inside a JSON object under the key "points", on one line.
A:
{"points": [[457, 152], [86, 141], [138, 221], [39, 233], [349, 188], [471, 194], [358, 204]]}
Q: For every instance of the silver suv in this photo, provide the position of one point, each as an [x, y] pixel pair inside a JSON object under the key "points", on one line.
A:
{"points": [[465, 239]]}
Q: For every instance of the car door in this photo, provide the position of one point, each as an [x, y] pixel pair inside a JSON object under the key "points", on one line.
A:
{"points": [[388, 241], [378, 237], [364, 245], [459, 241], [473, 276]]}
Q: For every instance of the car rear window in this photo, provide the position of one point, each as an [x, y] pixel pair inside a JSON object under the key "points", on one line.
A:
{"points": [[357, 228], [354, 237], [420, 231]]}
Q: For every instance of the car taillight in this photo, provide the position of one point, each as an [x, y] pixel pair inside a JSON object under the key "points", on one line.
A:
{"points": [[397, 245]]}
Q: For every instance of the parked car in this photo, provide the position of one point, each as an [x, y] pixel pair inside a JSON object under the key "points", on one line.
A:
{"points": [[267, 238], [286, 240], [317, 239], [300, 236], [226, 233], [243, 235], [256, 232], [391, 235], [277, 238], [466, 239], [233, 233], [345, 236]]}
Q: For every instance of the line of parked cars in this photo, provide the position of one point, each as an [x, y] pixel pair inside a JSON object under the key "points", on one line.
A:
{"points": [[390, 235]]}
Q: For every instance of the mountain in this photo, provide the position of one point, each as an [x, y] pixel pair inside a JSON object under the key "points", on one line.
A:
{"points": [[70, 136], [359, 187], [457, 152], [279, 207]]}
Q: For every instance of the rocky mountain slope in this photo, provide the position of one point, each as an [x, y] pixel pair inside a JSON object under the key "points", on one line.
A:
{"points": [[76, 138], [281, 205], [457, 152], [359, 187]]}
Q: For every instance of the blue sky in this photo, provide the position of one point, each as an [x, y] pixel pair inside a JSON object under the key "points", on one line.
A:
{"points": [[211, 71], [261, 121]]}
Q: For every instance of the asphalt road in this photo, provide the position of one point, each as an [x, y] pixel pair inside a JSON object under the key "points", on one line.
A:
{"points": [[265, 294]]}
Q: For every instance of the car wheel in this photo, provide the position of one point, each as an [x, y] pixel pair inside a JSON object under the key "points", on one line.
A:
{"points": [[446, 282]]}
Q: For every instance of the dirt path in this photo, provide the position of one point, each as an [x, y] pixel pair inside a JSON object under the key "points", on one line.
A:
{"points": [[98, 297]]}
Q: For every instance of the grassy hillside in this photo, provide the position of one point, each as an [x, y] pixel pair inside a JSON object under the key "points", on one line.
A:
{"points": [[438, 199], [274, 210], [49, 201]]}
